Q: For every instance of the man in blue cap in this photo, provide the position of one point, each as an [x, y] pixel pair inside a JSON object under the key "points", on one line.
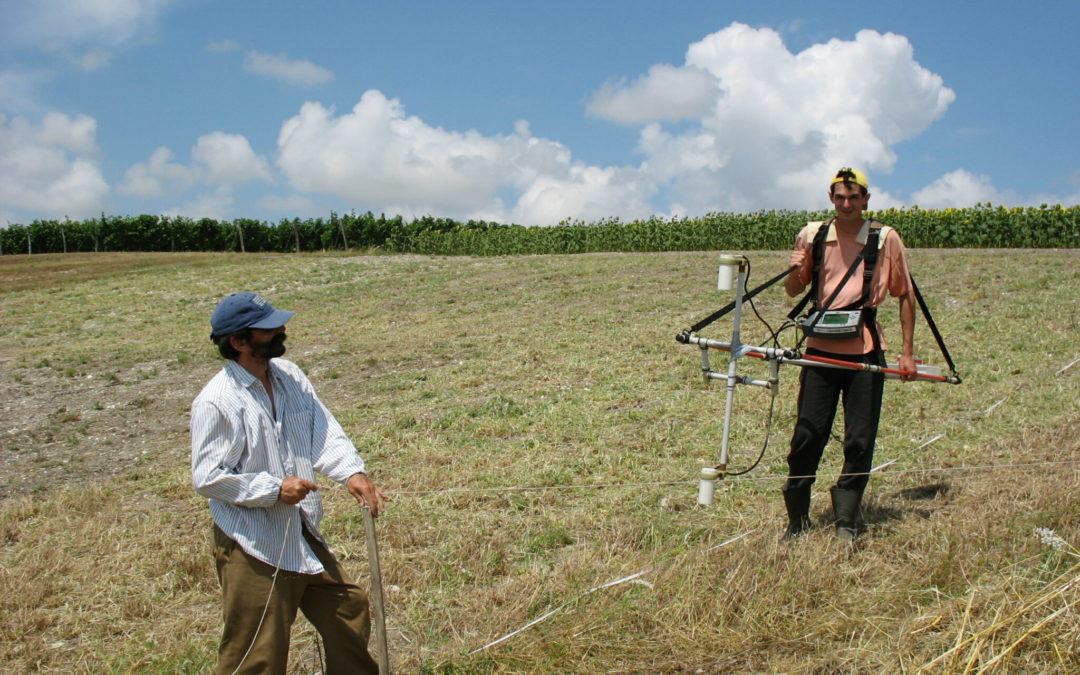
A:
{"points": [[258, 436]]}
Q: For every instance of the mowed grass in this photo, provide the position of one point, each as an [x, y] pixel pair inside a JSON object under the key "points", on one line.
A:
{"points": [[541, 432]]}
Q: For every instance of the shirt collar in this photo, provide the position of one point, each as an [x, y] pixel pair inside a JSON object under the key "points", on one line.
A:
{"points": [[242, 375], [860, 238]]}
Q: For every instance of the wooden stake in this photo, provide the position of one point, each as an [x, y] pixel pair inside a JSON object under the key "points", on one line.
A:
{"points": [[382, 656]]}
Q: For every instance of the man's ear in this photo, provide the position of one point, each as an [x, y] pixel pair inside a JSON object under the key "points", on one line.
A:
{"points": [[237, 341]]}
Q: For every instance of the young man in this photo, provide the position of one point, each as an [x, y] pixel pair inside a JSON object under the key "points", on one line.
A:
{"points": [[820, 389], [258, 435]]}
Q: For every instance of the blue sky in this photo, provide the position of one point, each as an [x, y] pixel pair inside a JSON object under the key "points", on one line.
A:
{"points": [[529, 112]]}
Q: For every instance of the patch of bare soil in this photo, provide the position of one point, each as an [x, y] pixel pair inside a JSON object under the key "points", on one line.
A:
{"points": [[61, 427]]}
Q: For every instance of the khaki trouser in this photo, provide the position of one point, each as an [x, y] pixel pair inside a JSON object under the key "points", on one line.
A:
{"points": [[337, 608]]}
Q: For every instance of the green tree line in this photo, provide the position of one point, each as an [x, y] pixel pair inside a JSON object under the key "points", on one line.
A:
{"points": [[982, 226]]}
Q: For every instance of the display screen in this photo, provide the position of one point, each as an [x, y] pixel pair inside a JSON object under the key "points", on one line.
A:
{"points": [[838, 319]]}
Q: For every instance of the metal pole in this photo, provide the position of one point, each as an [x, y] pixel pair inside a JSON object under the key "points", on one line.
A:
{"points": [[732, 377], [382, 655], [923, 372]]}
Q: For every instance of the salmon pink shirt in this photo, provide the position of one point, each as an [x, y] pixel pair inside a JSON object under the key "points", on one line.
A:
{"points": [[891, 277]]}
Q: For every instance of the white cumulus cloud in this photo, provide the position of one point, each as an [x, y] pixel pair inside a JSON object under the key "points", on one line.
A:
{"points": [[220, 162], [961, 188], [82, 30], [780, 122], [376, 157], [158, 176], [586, 193], [743, 124], [283, 69], [665, 93], [217, 158], [51, 169], [229, 159]]}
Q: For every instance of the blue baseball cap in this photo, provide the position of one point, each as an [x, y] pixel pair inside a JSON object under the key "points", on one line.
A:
{"points": [[245, 310]]}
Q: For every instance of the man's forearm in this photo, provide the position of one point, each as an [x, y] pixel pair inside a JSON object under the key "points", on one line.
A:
{"points": [[793, 284], [907, 324]]}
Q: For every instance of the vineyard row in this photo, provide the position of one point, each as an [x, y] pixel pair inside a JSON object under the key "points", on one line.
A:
{"points": [[982, 226]]}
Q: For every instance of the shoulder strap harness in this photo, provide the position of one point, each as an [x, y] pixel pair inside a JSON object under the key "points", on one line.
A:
{"points": [[868, 256], [874, 240]]}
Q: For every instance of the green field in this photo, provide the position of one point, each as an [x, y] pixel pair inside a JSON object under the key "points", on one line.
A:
{"points": [[541, 432]]}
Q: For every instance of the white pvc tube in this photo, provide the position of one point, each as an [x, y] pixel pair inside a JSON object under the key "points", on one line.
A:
{"points": [[707, 485], [729, 265], [732, 378]]}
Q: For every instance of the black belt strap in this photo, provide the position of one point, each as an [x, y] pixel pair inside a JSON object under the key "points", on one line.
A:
{"points": [[871, 324]]}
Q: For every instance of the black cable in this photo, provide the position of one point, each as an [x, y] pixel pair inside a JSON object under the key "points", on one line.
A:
{"points": [[772, 401], [731, 305], [768, 434], [750, 300]]}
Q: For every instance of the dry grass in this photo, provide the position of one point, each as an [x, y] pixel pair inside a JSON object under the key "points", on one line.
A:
{"points": [[463, 379]]}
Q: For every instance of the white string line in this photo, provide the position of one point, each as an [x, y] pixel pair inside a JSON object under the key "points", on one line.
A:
{"points": [[540, 488], [1074, 362], [647, 570], [625, 579], [534, 488], [932, 440], [269, 595], [592, 590], [873, 470]]}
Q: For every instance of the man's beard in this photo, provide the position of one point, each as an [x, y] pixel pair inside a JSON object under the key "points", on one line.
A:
{"points": [[271, 349]]}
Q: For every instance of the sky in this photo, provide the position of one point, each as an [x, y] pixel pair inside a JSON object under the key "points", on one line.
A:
{"points": [[530, 112]]}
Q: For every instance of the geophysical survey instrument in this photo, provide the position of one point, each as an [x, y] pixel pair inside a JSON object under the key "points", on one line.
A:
{"points": [[734, 272]]}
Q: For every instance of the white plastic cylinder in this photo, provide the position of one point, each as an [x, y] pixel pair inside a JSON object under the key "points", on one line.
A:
{"points": [[729, 269], [707, 485]]}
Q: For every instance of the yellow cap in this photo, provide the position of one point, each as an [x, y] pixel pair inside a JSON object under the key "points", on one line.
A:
{"points": [[847, 174]]}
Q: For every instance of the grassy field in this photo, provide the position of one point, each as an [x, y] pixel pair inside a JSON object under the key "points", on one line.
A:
{"points": [[541, 433]]}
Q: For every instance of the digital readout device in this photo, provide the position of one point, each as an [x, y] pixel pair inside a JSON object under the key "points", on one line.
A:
{"points": [[833, 323]]}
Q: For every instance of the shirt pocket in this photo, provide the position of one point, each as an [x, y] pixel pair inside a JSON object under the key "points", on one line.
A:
{"points": [[261, 441], [296, 426]]}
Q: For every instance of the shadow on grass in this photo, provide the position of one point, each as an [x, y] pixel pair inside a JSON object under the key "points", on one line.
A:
{"points": [[923, 492], [876, 513]]}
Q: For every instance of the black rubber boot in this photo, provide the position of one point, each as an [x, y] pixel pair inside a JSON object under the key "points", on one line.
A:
{"points": [[846, 507], [797, 502]]}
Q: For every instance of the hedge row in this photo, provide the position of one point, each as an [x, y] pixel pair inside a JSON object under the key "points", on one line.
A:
{"points": [[982, 226]]}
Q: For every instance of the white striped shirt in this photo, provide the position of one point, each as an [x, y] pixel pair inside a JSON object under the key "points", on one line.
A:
{"points": [[240, 454]]}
